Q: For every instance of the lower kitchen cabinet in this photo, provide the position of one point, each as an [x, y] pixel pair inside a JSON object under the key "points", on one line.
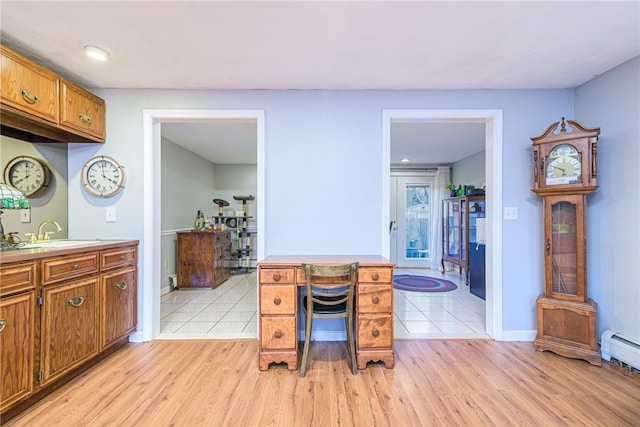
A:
{"points": [[69, 326], [60, 312]]}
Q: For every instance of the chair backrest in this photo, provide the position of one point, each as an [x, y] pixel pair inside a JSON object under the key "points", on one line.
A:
{"points": [[330, 285]]}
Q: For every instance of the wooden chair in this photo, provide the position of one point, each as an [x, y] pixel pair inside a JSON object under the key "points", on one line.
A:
{"points": [[330, 295]]}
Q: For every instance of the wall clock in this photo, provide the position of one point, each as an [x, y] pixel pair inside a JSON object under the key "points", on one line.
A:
{"points": [[564, 174], [103, 176], [29, 175]]}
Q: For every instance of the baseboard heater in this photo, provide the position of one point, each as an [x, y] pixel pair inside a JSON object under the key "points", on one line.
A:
{"points": [[616, 346]]}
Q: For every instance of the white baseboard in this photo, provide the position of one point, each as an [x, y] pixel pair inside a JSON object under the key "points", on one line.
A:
{"points": [[526, 335]]}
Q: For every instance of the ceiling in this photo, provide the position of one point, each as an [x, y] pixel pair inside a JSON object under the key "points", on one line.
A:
{"points": [[326, 45]]}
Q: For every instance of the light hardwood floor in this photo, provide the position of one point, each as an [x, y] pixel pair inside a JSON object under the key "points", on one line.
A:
{"points": [[449, 383]]}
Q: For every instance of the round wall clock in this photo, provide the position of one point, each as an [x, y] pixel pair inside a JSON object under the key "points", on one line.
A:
{"points": [[27, 174], [103, 176]]}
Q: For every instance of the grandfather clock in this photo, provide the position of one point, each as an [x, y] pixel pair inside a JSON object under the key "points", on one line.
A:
{"points": [[564, 174]]}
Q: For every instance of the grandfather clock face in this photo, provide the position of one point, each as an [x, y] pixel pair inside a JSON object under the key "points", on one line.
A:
{"points": [[564, 166]]}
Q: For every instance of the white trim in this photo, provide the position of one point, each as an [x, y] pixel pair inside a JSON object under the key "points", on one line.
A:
{"points": [[525, 336], [149, 291], [493, 153]]}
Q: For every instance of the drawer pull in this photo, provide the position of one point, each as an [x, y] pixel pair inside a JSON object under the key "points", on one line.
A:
{"points": [[85, 118], [3, 323], [121, 257], [375, 332], [76, 266], [375, 299], [276, 277], [277, 300], [76, 301], [375, 276], [121, 285], [278, 333], [31, 98]]}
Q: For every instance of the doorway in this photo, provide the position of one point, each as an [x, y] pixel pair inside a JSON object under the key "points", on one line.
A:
{"points": [[493, 156], [149, 305]]}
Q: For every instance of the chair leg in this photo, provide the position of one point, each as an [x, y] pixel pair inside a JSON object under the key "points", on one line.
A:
{"points": [[351, 345], [307, 341]]}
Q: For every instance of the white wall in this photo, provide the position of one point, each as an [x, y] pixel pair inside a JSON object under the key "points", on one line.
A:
{"points": [[51, 203], [324, 170], [612, 103], [470, 170]]}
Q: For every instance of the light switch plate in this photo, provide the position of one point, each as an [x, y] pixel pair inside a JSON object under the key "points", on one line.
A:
{"points": [[510, 213], [25, 215], [111, 214]]}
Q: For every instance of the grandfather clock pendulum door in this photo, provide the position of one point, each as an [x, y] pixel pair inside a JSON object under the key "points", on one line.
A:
{"points": [[564, 174]]}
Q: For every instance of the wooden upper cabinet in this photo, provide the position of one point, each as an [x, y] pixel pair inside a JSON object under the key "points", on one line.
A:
{"points": [[81, 111], [28, 87], [38, 105]]}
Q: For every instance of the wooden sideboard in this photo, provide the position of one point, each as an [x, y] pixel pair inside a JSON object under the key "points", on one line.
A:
{"points": [[204, 258], [279, 280]]}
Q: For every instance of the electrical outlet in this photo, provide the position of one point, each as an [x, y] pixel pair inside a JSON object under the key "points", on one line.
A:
{"points": [[510, 214], [111, 214], [25, 215]]}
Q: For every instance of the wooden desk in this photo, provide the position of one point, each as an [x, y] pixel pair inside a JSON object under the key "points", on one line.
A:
{"points": [[280, 277]]}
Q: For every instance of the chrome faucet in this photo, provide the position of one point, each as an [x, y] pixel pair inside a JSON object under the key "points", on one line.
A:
{"points": [[46, 234]]}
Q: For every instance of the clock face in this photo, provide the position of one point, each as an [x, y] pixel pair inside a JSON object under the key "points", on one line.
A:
{"points": [[564, 166], [26, 174], [103, 176]]}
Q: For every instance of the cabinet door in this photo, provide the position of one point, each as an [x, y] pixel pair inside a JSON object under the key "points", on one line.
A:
{"points": [[17, 344], [69, 326], [82, 111], [29, 88], [119, 313]]}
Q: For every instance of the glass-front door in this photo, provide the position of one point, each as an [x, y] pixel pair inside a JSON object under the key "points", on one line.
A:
{"points": [[411, 225]]}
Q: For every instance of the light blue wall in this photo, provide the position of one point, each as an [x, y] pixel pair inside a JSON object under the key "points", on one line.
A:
{"points": [[324, 170], [612, 103]]}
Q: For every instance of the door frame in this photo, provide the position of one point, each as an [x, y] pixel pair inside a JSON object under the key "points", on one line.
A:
{"points": [[151, 274], [492, 118]]}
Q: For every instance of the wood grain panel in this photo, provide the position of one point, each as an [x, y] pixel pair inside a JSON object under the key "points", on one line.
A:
{"points": [[67, 267], [17, 277]]}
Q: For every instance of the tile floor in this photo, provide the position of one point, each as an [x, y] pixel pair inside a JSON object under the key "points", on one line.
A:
{"points": [[229, 311]]}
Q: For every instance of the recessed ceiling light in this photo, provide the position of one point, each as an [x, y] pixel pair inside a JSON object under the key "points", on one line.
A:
{"points": [[405, 160], [96, 53]]}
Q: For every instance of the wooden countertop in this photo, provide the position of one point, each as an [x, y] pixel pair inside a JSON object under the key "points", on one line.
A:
{"points": [[17, 255], [296, 260]]}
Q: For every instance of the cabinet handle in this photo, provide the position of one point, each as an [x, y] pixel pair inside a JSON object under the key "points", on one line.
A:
{"points": [[121, 285], [76, 266], [276, 277], [375, 332], [548, 247], [277, 300], [76, 301], [31, 98], [375, 299], [121, 257], [375, 276], [85, 118], [277, 333], [3, 323]]}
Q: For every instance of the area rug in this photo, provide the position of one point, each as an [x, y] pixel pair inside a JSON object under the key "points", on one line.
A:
{"points": [[408, 282]]}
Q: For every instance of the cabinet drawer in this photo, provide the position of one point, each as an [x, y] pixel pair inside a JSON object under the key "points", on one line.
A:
{"points": [[82, 111], [375, 331], [277, 275], [223, 237], [118, 257], [277, 299], [17, 277], [374, 298], [375, 275], [277, 333], [55, 269], [28, 87]]}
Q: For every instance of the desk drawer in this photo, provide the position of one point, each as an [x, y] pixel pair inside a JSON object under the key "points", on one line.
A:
{"points": [[277, 333], [375, 298], [278, 299], [61, 268], [277, 275], [375, 331], [374, 275]]}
